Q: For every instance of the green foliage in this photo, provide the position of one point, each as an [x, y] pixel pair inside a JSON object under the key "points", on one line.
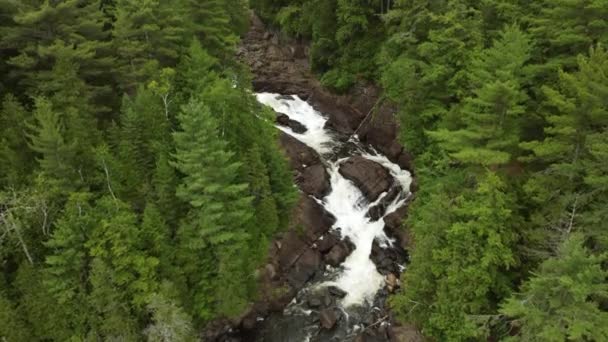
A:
{"points": [[102, 234], [490, 116], [562, 300]]}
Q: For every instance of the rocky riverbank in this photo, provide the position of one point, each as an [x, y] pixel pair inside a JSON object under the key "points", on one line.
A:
{"points": [[302, 252]]}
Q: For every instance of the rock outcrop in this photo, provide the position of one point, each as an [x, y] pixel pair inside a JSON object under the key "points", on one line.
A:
{"points": [[372, 178]]}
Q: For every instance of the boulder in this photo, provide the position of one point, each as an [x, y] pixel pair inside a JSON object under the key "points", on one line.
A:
{"points": [[314, 180], [285, 120], [392, 282], [336, 291], [369, 176], [304, 268], [326, 243], [300, 155], [387, 260], [337, 255], [328, 318], [313, 219], [377, 211], [343, 118]]}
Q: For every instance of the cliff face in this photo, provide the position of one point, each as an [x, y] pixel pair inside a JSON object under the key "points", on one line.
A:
{"points": [[281, 66]]}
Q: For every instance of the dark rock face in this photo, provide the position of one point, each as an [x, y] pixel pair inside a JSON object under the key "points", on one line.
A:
{"points": [[299, 154], [328, 318], [369, 176], [284, 120], [387, 260], [337, 254], [378, 210], [304, 268], [314, 180]]}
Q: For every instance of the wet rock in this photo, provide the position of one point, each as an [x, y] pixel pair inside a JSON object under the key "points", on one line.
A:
{"points": [[325, 244], [404, 160], [405, 333], [299, 154], [284, 120], [387, 260], [377, 211], [270, 271], [314, 180], [328, 318], [285, 97], [392, 282], [336, 255], [342, 117], [314, 302], [304, 268], [369, 176], [336, 291], [313, 219], [298, 51]]}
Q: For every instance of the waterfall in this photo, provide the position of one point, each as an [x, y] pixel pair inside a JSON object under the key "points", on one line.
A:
{"points": [[357, 275]]}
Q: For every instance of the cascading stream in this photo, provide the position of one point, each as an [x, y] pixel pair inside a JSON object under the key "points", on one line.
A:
{"points": [[357, 275]]}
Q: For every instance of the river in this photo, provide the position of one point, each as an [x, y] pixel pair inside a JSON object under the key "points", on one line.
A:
{"points": [[358, 276]]}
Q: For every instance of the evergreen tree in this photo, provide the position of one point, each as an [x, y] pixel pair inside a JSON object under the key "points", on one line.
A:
{"points": [[211, 24], [466, 264], [48, 140], [69, 263], [575, 111], [117, 242], [220, 211], [566, 28], [16, 160], [490, 117], [562, 301], [147, 34], [45, 31]]}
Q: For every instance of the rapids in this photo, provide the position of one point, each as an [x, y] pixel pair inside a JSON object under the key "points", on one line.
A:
{"points": [[357, 275]]}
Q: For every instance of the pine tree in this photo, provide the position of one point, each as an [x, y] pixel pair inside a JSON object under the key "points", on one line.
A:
{"points": [[566, 28], [16, 160], [67, 267], [490, 117], [48, 140], [117, 242], [211, 24], [220, 210], [110, 305], [147, 34], [471, 246], [14, 327], [562, 301], [48, 30], [575, 111]]}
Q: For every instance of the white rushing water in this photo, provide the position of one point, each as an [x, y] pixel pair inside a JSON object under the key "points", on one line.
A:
{"points": [[358, 277]]}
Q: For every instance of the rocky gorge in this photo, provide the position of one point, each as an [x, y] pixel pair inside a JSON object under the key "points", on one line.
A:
{"points": [[311, 248]]}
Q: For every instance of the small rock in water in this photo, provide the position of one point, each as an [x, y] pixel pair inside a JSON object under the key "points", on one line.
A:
{"points": [[336, 291], [314, 302], [285, 97], [392, 282], [328, 318]]}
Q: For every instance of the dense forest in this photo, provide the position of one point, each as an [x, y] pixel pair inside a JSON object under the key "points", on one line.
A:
{"points": [[504, 104], [126, 211], [141, 182]]}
